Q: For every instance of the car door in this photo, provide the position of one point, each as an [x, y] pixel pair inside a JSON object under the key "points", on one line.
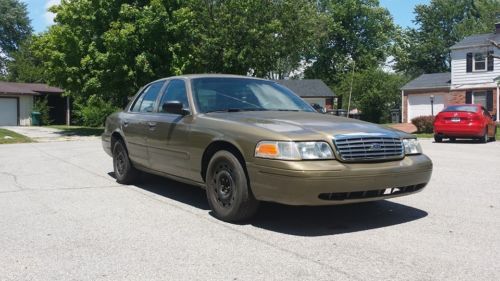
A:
{"points": [[135, 124], [168, 138]]}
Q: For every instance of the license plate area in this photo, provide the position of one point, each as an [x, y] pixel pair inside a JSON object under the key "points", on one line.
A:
{"points": [[455, 119]]}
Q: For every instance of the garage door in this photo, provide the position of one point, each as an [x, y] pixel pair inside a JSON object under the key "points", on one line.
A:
{"points": [[8, 112], [420, 105]]}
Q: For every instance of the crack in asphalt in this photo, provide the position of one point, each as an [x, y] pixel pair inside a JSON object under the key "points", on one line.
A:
{"points": [[71, 163], [16, 181]]}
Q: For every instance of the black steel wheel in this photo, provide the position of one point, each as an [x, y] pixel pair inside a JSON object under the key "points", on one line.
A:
{"points": [[438, 138], [228, 191], [125, 172]]}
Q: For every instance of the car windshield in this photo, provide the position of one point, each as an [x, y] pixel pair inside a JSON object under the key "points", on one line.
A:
{"points": [[240, 94], [466, 108]]}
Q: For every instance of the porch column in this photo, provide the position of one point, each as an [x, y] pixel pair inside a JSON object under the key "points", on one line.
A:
{"points": [[403, 106], [68, 112], [498, 102]]}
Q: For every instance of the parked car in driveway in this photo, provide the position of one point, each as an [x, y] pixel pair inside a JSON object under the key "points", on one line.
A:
{"points": [[470, 121], [247, 140]]}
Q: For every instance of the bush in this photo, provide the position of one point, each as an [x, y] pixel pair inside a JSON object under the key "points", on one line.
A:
{"points": [[424, 124], [94, 112], [41, 105]]}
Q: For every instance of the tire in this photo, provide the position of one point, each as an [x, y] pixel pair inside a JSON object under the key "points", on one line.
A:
{"points": [[125, 172], [484, 138], [228, 191], [453, 139], [438, 138]]}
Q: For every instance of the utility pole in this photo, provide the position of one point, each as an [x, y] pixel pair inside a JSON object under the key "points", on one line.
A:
{"points": [[350, 91]]}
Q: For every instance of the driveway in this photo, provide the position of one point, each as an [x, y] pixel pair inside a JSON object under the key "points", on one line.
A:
{"points": [[63, 217], [47, 134]]}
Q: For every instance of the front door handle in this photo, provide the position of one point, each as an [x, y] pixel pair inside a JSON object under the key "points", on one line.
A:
{"points": [[125, 123], [152, 125]]}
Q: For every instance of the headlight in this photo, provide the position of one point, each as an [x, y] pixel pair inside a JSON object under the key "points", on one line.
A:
{"points": [[412, 146], [288, 150]]}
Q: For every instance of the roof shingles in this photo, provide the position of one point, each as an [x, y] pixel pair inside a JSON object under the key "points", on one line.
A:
{"points": [[477, 40], [429, 81], [308, 87], [27, 88]]}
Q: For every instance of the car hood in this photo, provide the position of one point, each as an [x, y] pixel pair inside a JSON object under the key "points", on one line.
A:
{"points": [[306, 125]]}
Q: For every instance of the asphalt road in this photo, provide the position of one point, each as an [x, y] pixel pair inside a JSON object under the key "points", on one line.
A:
{"points": [[63, 217]]}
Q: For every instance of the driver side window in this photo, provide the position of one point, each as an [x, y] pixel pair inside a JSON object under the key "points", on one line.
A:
{"points": [[176, 91]]}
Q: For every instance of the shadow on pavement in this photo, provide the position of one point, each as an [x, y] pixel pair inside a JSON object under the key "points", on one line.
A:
{"points": [[463, 141], [297, 220]]}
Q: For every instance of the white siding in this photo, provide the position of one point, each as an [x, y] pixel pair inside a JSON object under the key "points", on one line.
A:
{"points": [[25, 108], [459, 75]]}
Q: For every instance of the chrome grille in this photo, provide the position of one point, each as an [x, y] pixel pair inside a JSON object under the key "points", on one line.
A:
{"points": [[368, 148]]}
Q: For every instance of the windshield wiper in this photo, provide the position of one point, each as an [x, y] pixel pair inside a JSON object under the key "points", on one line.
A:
{"points": [[236, 110]]}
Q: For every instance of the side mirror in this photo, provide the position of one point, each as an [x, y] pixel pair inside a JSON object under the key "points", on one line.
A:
{"points": [[174, 107]]}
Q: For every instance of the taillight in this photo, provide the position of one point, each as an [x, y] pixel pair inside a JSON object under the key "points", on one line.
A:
{"points": [[475, 117]]}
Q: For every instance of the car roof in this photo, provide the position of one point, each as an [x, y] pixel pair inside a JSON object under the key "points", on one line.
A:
{"points": [[211, 75]]}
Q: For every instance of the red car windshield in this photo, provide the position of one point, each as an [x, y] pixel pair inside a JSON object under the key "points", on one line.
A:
{"points": [[466, 108]]}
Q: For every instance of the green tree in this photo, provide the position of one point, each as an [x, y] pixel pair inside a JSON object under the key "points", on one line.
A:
{"points": [[15, 26], [357, 31], [440, 25], [374, 92], [24, 66], [262, 38], [107, 49]]}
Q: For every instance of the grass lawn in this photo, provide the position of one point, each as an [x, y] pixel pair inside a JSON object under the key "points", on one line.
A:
{"points": [[79, 130], [7, 137]]}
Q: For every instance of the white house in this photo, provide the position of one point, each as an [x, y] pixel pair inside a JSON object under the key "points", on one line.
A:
{"points": [[474, 77]]}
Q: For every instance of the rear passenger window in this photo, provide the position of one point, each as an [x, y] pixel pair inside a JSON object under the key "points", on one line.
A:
{"points": [[146, 101]]}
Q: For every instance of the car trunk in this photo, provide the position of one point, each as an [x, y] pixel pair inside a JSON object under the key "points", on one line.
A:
{"points": [[457, 117]]}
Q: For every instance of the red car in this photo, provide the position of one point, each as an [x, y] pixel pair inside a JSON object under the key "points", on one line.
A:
{"points": [[470, 121]]}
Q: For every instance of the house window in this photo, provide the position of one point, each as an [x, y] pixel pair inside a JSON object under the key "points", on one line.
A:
{"points": [[480, 61], [479, 98]]}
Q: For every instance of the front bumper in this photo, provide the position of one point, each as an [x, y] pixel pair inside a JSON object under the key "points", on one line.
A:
{"points": [[106, 144], [332, 182]]}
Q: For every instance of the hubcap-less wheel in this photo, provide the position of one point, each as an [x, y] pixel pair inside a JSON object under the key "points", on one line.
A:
{"points": [[224, 186], [228, 190], [125, 173], [120, 162]]}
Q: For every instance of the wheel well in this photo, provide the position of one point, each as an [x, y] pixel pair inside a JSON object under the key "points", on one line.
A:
{"points": [[117, 137], [214, 148]]}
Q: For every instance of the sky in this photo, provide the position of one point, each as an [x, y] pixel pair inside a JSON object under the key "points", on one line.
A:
{"points": [[401, 10]]}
